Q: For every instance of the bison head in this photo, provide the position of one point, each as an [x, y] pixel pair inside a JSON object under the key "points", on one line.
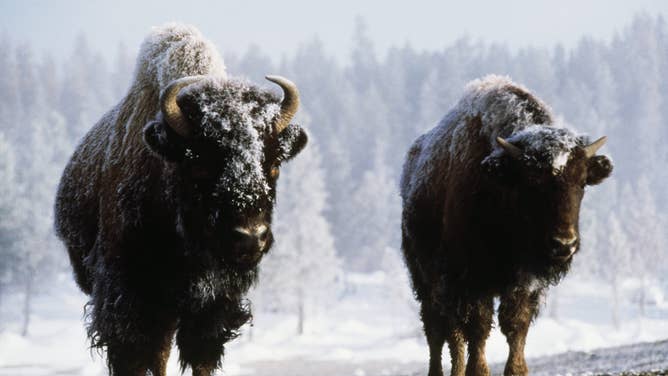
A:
{"points": [[547, 170], [224, 141]]}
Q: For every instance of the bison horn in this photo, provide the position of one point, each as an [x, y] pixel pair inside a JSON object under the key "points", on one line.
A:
{"points": [[592, 148], [170, 109], [511, 149], [290, 102]]}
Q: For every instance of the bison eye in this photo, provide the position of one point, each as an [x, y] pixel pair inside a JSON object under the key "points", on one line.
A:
{"points": [[274, 172]]}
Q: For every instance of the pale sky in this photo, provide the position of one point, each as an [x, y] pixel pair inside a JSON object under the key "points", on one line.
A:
{"points": [[279, 27]]}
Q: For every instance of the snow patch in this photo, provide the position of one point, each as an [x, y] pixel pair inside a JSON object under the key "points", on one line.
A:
{"points": [[362, 326]]}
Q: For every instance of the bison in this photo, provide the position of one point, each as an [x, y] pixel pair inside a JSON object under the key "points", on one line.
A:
{"points": [[166, 205], [491, 200]]}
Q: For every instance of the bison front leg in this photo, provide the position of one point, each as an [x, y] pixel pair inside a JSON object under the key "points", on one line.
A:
{"points": [[202, 335], [141, 351], [134, 359], [200, 347], [476, 330], [517, 309], [135, 330]]}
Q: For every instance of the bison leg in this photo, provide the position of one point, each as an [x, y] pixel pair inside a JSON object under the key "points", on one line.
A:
{"points": [[164, 347], [435, 332], [202, 334], [124, 359], [456, 344], [476, 330], [516, 311], [136, 330], [135, 358], [199, 351], [438, 329]]}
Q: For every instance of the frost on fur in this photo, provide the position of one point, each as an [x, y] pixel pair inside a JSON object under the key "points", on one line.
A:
{"points": [[173, 51], [491, 209], [237, 116], [162, 203]]}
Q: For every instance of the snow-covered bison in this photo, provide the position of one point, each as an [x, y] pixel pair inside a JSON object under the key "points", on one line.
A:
{"points": [[166, 205], [491, 201]]}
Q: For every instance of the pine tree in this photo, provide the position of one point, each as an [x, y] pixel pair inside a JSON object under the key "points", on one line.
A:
{"points": [[302, 270], [363, 71], [646, 227], [10, 219], [617, 248], [374, 209]]}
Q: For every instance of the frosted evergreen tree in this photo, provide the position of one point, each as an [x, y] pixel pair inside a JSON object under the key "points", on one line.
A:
{"points": [[254, 65], [122, 72], [364, 69], [10, 220], [302, 271], [45, 147], [618, 261], [9, 90], [398, 290], [536, 70], [374, 209], [85, 91], [646, 227], [48, 77]]}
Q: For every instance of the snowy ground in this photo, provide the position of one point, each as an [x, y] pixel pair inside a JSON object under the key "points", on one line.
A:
{"points": [[371, 330]]}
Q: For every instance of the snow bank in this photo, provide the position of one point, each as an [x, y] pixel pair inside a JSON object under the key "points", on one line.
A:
{"points": [[366, 325]]}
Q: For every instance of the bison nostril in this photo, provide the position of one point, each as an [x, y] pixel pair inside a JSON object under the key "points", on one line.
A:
{"points": [[563, 249], [262, 233]]}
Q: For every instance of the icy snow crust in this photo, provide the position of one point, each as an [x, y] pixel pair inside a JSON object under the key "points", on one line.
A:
{"points": [[492, 106]]}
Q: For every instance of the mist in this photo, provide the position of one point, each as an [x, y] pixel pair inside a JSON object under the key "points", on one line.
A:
{"points": [[368, 89]]}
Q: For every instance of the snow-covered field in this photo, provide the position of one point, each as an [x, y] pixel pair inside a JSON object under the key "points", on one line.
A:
{"points": [[370, 330]]}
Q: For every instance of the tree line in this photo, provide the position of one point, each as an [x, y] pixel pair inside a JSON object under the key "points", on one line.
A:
{"points": [[338, 204]]}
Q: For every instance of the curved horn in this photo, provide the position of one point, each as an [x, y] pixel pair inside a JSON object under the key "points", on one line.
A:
{"points": [[511, 149], [290, 102], [170, 108], [592, 148]]}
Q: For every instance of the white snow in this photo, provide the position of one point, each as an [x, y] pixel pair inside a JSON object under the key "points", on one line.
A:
{"points": [[560, 160], [367, 324], [175, 50], [551, 145], [498, 108], [237, 121]]}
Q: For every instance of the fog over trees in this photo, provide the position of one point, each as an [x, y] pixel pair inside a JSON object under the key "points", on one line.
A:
{"points": [[338, 203]]}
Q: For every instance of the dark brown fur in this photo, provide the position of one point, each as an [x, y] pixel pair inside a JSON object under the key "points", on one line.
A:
{"points": [[479, 224], [149, 217]]}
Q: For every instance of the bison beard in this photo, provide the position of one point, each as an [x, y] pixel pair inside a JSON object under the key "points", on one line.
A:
{"points": [[491, 200], [165, 206]]}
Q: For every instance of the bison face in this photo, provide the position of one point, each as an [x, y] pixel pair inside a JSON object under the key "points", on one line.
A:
{"points": [[548, 169], [224, 142]]}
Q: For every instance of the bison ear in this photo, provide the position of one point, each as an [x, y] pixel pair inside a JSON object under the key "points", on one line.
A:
{"points": [[599, 167], [162, 140], [291, 141]]}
